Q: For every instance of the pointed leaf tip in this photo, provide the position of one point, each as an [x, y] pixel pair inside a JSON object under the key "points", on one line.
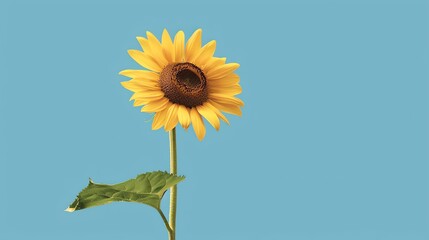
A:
{"points": [[69, 209]]}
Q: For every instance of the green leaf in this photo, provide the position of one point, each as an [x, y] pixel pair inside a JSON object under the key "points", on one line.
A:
{"points": [[147, 188]]}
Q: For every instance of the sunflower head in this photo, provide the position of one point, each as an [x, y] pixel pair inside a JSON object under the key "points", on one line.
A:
{"points": [[183, 82]]}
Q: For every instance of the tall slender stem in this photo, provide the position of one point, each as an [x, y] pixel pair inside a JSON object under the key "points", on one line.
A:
{"points": [[173, 190]]}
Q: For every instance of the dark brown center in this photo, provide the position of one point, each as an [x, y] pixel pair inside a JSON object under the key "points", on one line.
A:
{"points": [[184, 83]]}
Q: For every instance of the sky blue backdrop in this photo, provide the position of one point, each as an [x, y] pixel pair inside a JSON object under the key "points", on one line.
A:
{"points": [[333, 142]]}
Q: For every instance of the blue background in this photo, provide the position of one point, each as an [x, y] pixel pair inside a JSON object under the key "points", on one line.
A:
{"points": [[332, 144]]}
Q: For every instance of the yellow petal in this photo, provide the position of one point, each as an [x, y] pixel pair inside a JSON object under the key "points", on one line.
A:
{"points": [[198, 124], [160, 118], [142, 97], [208, 114], [213, 63], [172, 118], [193, 46], [229, 80], [145, 83], [229, 90], [148, 94], [167, 46], [145, 74], [144, 60], [130, 86], [154, 82], [228, 108], [222, 70], [219, 97], [139, 86], [156, 50], [184, 118], [179, 47], [206, 53], [139, 103], [155, 106], [217, 111], [144, 43], [153, 40]]}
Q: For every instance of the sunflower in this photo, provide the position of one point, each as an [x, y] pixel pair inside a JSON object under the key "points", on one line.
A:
{"points": [[183, 82]]}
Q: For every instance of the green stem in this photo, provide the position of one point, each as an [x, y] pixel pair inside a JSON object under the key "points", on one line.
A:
{"points": [[170, 231], [173, 190]]}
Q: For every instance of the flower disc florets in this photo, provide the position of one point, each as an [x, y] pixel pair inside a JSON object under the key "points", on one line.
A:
{"points": [[184, 83]]}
